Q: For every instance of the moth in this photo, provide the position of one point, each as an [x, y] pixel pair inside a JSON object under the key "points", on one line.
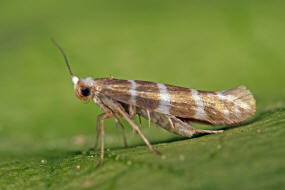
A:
{"points": [[170, 107]]}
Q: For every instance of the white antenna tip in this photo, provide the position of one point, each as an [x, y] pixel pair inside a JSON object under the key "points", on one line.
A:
{"points": [[75, 80]]}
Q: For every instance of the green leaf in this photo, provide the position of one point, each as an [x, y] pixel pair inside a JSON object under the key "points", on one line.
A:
{"points": [[45, 132]]}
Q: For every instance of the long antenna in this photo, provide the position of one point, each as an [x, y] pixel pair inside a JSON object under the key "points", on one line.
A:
{"points": [[64, 55]]}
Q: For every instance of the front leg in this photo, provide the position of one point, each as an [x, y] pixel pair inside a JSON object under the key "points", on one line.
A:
{"points": [[98, 133], [98, 101], [117, 109], [100, 120]]}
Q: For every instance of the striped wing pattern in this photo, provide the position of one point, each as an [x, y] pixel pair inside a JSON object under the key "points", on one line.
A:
{"points": [[228, 107]]}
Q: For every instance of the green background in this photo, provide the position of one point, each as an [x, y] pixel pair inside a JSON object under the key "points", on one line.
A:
{"points": [[45, 131]]}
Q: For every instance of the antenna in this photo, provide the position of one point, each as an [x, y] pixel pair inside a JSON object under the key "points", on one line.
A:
{"points": [[64, 55]]}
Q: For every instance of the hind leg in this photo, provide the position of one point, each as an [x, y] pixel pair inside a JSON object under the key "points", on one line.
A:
{"points": [[194, 130]]}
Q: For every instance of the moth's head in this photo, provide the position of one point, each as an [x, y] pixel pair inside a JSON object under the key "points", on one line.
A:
{"points": [[83, 88]]}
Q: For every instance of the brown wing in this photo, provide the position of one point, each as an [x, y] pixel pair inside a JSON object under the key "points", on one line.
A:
{"points": [[218, 108]]}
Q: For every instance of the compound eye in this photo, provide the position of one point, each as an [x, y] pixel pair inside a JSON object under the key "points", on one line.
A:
{"points": [[85, 91]]}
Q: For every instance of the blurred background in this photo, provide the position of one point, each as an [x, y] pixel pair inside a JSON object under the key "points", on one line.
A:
{"points": [[206, 45]]}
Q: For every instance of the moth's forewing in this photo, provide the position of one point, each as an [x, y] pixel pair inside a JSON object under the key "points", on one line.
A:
{"points": [[218, 108]]}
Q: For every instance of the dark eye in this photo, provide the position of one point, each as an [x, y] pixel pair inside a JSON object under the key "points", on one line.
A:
{"points": [[85, 91]]}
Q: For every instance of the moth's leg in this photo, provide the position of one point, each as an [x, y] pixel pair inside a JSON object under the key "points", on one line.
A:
{"points": [[195, 130], [140, 120], [132, 113], [205, 131], [148, 118], [98, 133], [118, 122], [209, 131], [132, 123], [101, 119], [171, 122], [118, 109]]}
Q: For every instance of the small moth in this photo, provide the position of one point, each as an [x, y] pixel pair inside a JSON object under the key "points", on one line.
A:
{"points": [[170, 107]]}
